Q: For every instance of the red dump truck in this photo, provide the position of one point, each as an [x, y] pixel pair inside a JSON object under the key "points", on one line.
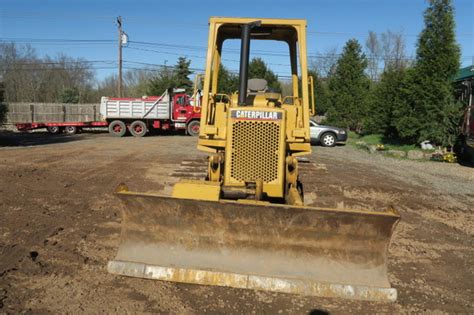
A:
{"points": [[170, 111]]}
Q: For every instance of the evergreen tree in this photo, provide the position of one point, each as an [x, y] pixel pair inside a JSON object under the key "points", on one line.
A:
{"points": [[69, 95], [181, 74], [258, 69], [348, 88], [386, 98], [320, 93], [177, 77], [430, 111], [227, 82], [162, 81]]}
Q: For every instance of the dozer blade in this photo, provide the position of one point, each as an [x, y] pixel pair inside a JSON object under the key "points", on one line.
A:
{"points": [[303, 250]]}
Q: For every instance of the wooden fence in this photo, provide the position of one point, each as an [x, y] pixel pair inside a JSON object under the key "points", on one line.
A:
{"points": [[51, 112]]}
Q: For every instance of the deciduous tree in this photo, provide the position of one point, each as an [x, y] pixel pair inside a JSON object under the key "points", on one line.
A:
{"points": [[372, 45], [3, 107]]}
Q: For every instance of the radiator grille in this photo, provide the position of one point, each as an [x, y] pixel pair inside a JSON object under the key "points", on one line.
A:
{"points": [[255, 150]]}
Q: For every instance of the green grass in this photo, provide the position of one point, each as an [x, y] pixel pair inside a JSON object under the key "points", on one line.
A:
{"points": [[379, 139]]}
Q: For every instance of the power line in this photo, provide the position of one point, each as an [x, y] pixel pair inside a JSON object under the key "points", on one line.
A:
{"points": [[196, 56], [317, 56], [171, 46], [93, 64], [202, 48], [64, 62], [166, 52], [168, 45], [180, 46], [259, 52], [378, 33], [273, 53], [42, 15], [150, 67], [194, 47], [54, 40], [52, 69]]}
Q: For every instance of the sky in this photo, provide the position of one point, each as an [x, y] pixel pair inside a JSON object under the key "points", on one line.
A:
{"points": [[161, 31]]}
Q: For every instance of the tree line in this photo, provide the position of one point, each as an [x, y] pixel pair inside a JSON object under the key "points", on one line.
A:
{"points": [[407, 102]]}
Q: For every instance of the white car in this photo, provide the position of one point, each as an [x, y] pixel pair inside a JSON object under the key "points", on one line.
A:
{"points": [[327, 136]]}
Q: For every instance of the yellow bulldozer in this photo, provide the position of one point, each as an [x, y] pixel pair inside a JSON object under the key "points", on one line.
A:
{"points": [[245, 225]]}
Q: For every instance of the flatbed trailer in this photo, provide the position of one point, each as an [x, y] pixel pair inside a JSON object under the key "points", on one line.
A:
{"points": [[58, 127]]}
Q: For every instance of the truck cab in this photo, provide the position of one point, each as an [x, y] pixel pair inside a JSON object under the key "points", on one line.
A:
{"points": [[185, 114]]}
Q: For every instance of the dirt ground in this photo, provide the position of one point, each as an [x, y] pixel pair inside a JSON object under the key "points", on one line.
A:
{"points": [[60, 224]]}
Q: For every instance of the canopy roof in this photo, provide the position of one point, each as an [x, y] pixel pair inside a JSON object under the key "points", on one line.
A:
{"points": [[270, 29], [465, 74]]}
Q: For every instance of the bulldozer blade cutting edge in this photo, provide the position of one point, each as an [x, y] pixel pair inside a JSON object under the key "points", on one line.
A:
{"points": [[303, 250]]}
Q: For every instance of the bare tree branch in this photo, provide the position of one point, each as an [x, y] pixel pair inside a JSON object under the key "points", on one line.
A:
{"points": [[373, 49]]}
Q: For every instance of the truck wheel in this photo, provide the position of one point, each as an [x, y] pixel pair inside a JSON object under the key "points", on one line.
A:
{"points": [[117, 128], [193, 128], [54, 130], [138, 128], [70, 130], [328, 139]]}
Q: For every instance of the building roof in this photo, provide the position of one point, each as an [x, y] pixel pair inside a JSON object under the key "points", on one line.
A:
{"points": [[465, 74]]}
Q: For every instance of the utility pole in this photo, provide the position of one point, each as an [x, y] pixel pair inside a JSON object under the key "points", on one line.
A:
{"points": [[119, 81]]}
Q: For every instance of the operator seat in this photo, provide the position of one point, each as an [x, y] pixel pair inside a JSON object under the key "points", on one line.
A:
{"points": [[256, 86], [256, 89], [258, 94]]}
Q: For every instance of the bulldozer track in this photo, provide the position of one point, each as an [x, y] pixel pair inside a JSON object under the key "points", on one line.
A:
{"points": [[191, 169]]}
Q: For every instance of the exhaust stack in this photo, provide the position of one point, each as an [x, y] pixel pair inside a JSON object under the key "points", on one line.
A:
{"points": [[244, 60]]}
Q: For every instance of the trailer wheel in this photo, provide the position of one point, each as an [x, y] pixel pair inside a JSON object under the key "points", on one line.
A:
{"points": [[193, 128], [138, 128], [54, 130], [70, 130], [117, 128]]}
